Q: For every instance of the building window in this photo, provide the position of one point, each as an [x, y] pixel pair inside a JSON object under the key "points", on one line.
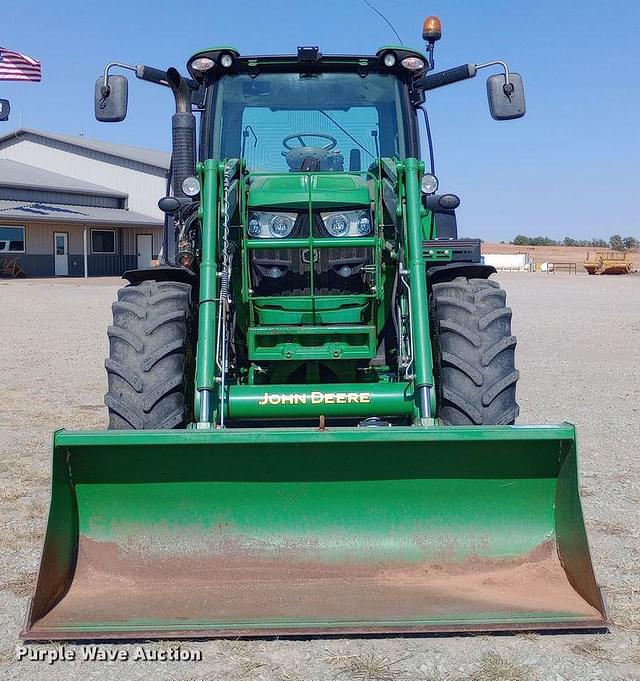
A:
{"points": [[103, 241], [11, 239]]}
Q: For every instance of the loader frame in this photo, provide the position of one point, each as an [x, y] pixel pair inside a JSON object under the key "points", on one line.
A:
{"points": [[412, 220]]}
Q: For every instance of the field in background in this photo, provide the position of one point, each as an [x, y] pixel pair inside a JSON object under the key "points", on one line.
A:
{"points": [[540, 254]]}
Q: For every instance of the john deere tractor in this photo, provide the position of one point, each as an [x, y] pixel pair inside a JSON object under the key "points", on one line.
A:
{"points": [[312, 399]]}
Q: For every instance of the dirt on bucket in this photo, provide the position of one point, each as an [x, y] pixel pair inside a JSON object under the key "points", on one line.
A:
{"points": [[231, 589]]}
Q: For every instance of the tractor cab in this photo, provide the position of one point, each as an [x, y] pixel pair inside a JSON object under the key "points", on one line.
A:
{"points": [[297, 114], [310, 132]]}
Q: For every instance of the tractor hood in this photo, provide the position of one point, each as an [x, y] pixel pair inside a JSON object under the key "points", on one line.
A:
{"points": [[297, 190]]}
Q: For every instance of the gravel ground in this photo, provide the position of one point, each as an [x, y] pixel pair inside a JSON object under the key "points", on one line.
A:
{"points": [[579, 356]]}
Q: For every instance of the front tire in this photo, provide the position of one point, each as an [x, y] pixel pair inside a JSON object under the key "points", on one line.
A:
{"points": [[148, 358], [474, 353]]}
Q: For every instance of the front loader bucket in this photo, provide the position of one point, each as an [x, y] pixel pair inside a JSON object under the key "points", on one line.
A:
{"points": [[222, 532]]}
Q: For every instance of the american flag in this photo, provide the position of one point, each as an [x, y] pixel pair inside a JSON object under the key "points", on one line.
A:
{"points": [[16, 66]]}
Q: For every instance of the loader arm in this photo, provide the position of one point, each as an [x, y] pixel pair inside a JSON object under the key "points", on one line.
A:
{"points": [[246, 399]]}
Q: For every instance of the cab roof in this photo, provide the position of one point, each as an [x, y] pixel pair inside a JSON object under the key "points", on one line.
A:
{"points": [[308, 58]]}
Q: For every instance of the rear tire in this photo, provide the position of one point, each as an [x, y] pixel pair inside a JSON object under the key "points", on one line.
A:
{"points": [[474, 353], [149, 352]]}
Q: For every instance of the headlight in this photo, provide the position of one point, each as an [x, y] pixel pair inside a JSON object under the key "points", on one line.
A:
{"points": [[337, 225], [191, 186], [389, 60], [429, 184], [413, 63], [226, 60], [267, 225], [254, 227], [364, 225], [281, 226], [202, 64], [348, 223]]}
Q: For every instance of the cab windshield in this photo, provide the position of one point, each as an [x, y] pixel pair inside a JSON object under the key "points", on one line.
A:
{"points": [[282, 122]]}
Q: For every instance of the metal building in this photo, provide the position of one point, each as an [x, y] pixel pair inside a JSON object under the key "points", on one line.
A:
{"points": [[72, 206]]}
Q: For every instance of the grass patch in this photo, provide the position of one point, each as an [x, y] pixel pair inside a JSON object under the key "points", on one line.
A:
{"points": [[591, 649], [369, 666], [619, 593], [293, 676], [21, 585], [528, 636], [610, 528], [430, 676], [37, 510], [11, 494], [241, 659], [494, 667], [628, 617], [16, 541]]}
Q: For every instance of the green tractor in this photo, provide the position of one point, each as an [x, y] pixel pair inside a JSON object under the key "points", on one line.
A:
{"points": [[312, 399]]}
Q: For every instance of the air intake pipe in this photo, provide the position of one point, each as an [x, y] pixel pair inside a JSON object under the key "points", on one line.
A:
{"points": [[183, 132]]}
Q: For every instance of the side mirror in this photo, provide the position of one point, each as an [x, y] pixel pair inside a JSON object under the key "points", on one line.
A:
{"points": [[506, 101], [111, 100], [5, 108]]}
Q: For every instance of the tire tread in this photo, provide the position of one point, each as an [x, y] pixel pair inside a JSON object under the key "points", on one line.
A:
{"points": [[474, 352], [146, 367]]}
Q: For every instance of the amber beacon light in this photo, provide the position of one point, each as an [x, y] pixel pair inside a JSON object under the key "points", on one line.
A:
{"points": [[432, 29]]}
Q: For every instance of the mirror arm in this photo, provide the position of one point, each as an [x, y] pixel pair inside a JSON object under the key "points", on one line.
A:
{"points": [[143, 72], [430, 81], [105, 89], [508, 85], [152, 75], [435, 80]]}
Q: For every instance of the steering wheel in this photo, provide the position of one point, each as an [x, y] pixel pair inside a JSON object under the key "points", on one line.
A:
{"points": [[331, 144]]}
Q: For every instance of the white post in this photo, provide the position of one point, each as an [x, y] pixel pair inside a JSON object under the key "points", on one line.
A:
{"points": [[84, 252]]}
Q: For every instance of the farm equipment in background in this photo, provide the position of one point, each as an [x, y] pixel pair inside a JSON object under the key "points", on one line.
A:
{"points": [[608, 263], [311, 401]]}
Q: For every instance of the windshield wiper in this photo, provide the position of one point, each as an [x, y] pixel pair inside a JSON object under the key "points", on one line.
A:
{"points": [[351, 137]]}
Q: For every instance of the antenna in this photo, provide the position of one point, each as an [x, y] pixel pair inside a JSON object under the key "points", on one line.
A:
{"points": [[380, 14]]}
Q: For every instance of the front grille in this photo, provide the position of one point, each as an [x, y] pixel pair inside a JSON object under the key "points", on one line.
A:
{"points": [[296, 265]]}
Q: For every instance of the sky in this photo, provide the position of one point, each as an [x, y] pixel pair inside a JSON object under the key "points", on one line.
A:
{"points": [[570, 167]]}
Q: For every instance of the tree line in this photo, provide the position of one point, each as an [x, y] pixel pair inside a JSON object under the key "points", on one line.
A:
{"points": [[616, 242]]}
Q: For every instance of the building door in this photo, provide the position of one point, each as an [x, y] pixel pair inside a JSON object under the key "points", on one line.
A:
{"points": [[60, 254], [145, 250]]}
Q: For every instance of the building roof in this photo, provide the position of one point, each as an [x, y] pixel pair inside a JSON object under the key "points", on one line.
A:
{"points": [[151, 157], [29, 211], [15, 174]]}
